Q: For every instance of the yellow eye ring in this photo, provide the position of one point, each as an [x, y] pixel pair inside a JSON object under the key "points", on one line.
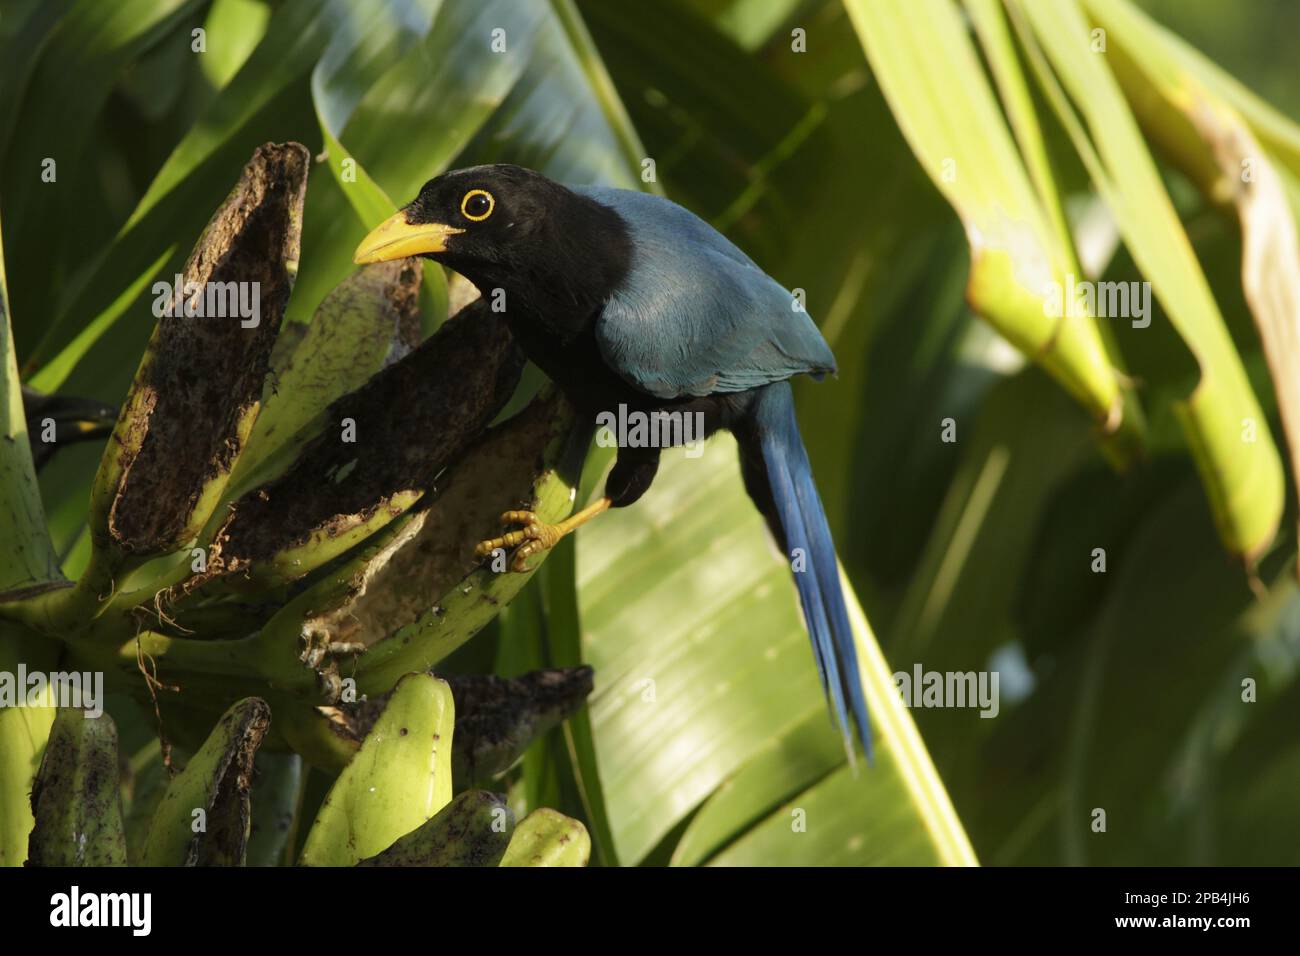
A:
{"points": [[464, 205]]}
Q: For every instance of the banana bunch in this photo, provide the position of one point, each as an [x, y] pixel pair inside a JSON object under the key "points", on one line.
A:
{"points": [[283, 523], [393, 805]]}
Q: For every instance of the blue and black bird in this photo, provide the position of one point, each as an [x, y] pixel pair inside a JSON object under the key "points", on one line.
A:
{"points": [[627, 299]]}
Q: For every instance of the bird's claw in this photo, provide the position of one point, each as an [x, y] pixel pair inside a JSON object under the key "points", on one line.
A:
{"points": [[533, 537]]}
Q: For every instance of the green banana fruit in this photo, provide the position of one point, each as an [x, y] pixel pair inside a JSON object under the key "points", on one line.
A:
{"points": [[204, 817], [473, 830], [498, 718], [277, 789], [369, 321], [148, 783], [416, 591], [198, 390], [76, 798], [365, 323], [322, 736], [548, 838], [438, 574], [375, 452], [398, 780]]}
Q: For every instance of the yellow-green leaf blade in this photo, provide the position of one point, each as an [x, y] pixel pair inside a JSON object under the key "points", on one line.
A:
{"points": [[930, 74]]}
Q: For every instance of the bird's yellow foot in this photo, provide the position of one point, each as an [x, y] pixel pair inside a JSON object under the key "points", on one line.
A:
{"points": [[533, 537]]}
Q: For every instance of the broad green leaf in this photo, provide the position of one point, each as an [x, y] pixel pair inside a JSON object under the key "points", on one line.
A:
{"points": [[879, 470], [1242, 760], [1270, 258], [28, 560], [1212, 128], [715, 153], [752, 23], [399, 779], [353, 63], [826, 824], [294, 39], [1023, 444], [701, 658], [234, 29], [263, 102], [25, 28], [994, 36], [1093, 642], [588, 69], [565, 637], [541, 628], [931, 75], [1172, 70], [778, 772], [1226, 429], [1118, 754], [58, 118]]}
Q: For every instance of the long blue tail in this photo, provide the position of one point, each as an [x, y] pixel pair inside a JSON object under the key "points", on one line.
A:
{"points": [[779, 479]]}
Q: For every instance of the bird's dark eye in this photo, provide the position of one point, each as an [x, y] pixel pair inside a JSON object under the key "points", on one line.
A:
{"points": [[477, 205]]}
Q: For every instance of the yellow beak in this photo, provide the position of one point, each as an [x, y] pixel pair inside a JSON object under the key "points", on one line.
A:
{"points": [[395, 238]]}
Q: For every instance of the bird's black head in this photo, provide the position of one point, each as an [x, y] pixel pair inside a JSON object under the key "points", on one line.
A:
{"points": [[509, 227]]}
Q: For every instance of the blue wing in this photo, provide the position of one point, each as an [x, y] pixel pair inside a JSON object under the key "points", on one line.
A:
{"points": [[695, 315]]}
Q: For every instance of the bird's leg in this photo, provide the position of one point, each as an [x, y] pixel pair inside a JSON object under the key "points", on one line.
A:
{"points": [[628, 481], [535, 535]]}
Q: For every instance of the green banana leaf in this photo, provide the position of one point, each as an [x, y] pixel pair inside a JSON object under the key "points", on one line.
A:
{"points": [[240, 25], [930, 73], [30, 561], [1227, 433], [690, 621], [1212, 128], [58, 121]]}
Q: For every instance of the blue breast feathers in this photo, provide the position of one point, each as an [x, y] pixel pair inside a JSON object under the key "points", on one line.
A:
{"points": [[695, 315]]}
